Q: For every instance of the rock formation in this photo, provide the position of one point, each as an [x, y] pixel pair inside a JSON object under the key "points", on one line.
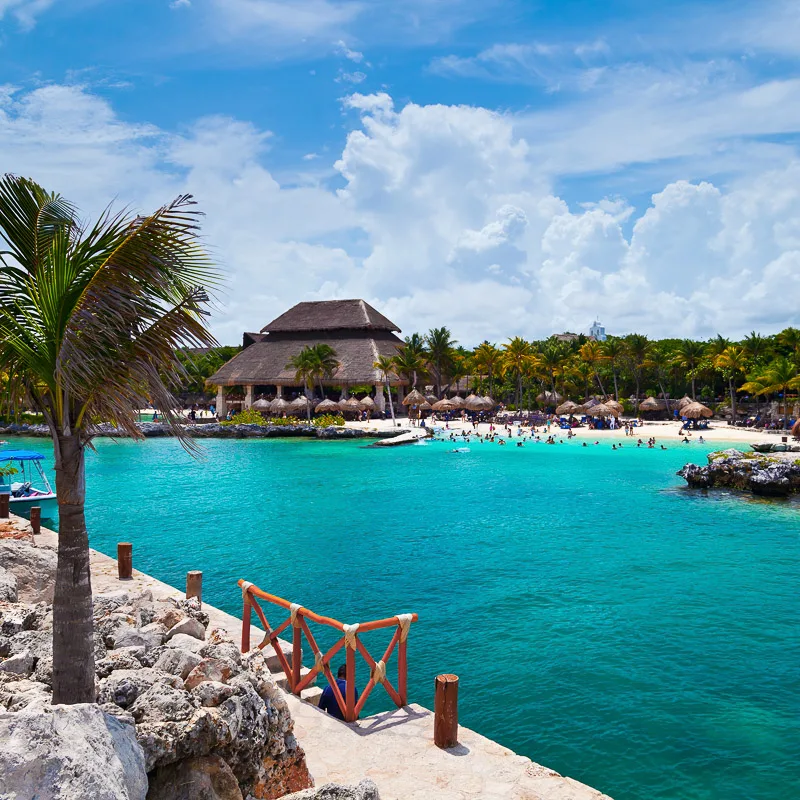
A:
{"points": [[764, 475]]}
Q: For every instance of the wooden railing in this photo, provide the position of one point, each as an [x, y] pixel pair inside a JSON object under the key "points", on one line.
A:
{"points": [[298, 620]]}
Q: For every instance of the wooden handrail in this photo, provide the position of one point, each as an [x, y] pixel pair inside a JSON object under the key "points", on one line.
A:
{"points": [[298, 619]]}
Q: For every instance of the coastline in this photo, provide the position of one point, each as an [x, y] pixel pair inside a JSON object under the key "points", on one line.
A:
{"points": [[395, 749]]}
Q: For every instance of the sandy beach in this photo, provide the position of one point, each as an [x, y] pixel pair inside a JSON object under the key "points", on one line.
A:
{"points": [[662, 431]]}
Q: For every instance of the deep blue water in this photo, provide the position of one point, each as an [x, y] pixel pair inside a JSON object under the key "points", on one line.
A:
{"points": [[603, 620]]}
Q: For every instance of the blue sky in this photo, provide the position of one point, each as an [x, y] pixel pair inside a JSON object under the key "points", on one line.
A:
{"points": [[500, 167]]}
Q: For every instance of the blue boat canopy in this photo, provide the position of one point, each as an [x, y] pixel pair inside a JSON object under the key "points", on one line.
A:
{"points": [[20, 455]]}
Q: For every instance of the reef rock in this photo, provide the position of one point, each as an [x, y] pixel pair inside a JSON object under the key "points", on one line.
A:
{"points": [[764, 475], [365, 790], [206, 778], [33, 567], [70, 752]]}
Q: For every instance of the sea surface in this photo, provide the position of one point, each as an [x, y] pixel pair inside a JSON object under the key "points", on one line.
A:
{"points": [[603, 619]]}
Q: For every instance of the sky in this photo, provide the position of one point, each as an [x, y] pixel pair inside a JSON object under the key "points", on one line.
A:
{"points": [[501, 167]]}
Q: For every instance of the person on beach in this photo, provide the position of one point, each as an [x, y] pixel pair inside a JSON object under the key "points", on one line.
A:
{"points": [[328, 700]]}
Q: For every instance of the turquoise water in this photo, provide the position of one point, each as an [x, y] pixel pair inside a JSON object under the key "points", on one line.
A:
{"points": [[603, 620]]}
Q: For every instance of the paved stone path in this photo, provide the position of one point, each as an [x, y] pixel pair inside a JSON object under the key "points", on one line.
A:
{"points": [[395, 749]]}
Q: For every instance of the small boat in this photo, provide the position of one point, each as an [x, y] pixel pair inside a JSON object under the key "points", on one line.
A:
{"points": [[17, 477]]}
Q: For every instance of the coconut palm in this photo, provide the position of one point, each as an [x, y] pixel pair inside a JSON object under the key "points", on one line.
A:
{"points": [[778, 378], [489, 359], [411, 358], [592, 355], [613, 350], [551, 359], [637, 349], [305, 369], [386, 366], [90, 320], [756, 346], [518, 358], [688, 356], [440, 344], [732, 361]]}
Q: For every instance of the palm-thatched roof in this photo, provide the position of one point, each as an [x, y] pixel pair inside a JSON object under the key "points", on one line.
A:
{"points": [[327, 407], [300, 403], [684, 401], [651, 404], [414, 398], [279, 406], [474, 403], [614, 404], [696, 411], [330, 315], [261, 404], [602, 410], [488, 403], [567, 407], [549, 397], [367, 403], [796, 429], [443, 405], [458, 402], [431, 398]]}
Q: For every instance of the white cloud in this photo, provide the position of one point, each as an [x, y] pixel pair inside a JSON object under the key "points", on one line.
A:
{"points": [[24, 11], [444, 217], [352, 55], [351, 77], [175, 4]]}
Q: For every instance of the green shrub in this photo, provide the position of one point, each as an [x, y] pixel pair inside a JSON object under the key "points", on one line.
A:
{"points": [[247, 417], [287, 421], [327, 420]]}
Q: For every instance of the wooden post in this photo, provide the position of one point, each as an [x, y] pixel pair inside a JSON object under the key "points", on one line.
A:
{"points": [[4, 499], [445, 710], [350, 699], [36, 519], [402, 672], [125, 560], [246, 625], [297, 656], [194, 585]]}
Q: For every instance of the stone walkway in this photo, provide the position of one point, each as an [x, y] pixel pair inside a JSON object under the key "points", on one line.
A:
{"points": [[394, 749]]}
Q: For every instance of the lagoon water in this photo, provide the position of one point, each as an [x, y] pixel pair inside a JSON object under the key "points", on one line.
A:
{"points": [[603, 620]]}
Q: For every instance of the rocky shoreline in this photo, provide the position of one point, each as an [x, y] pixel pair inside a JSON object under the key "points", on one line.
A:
{"points": [[215, 430], [765, 475]]}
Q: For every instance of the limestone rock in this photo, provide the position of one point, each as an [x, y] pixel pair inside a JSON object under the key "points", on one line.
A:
{"points": [[365, 790], [70, 752], [188, 626], [18, 693], [169, 617], [212, 693], [8, 586], [147, 637], [123, 686], [205, 778], [20, 663], [33, 567], [16, 617], [161, 703], [117, 659], [183, 642], [177, 662], [209, 669]]}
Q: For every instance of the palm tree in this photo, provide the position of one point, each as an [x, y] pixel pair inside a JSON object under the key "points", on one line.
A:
{"points": [[688, 356], [732, 361], [90, 321], [613, 350], [551, 359], [411, 358], [386, 366], [778, 378], [592, 355], [755, 346], [440, 344], [305, 368], [518, 356], [637, 348], [660, 360], [487, 358]]}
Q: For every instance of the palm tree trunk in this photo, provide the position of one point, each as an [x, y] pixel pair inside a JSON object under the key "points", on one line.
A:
{"points": [[391, 402], [694, 391], [600, 383], [616, 388], [73, 626], [733, 401]]}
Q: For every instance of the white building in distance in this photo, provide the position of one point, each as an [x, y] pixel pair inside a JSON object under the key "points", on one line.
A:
{"points": [[597, 331]]}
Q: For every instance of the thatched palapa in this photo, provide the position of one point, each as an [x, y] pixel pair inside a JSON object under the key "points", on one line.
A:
{"points": [[568, 407], [696, 411], [327, 407], [414, 398]]}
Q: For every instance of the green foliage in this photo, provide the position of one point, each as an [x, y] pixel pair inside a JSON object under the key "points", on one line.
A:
{"points": [[201, 366], [282, 421], [7, 470], [248, 416], [328, 420]]}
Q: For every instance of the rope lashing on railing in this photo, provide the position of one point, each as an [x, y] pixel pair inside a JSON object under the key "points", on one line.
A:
{"points": [[319, 666], [293, 609], [350, 632], [245, 589], [404, 620], [379, 673]]}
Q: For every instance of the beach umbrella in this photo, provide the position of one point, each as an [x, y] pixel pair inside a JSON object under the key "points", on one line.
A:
{"points": [[351, 404], [602, 410], [431, 398], [696, 411], [458, 402], [567, 407], [327, 407], [261, 404], [413, 398], [279, 406], [488, 403], [300, 403], [473, 403], [549, 398], [425, 406], [443, 405], [614, 404], [367, 403], [650, 404], [591, 403], [684, 401], [796, 429]]}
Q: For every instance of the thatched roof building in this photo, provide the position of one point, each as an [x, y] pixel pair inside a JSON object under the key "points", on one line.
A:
{"points": [[357, 332]]}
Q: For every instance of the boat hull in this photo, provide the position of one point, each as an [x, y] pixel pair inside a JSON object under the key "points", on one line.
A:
{"points": [[23, 505]]}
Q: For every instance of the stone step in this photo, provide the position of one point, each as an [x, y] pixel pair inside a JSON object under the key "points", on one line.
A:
{"points": [[311, 695], [283, 681]]}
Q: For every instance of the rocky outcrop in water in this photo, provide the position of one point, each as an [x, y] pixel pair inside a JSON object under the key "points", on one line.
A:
{"points": [[764, 475], [215, 430]]}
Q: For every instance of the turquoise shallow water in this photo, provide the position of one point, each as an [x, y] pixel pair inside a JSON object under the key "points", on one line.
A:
{"points": [[603, 620]]}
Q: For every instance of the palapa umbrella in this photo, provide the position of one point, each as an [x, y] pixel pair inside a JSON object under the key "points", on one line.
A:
{"points": [[458, 402], [300, 403], [443, 405], [474, 403], [367, 403], [549, 398], [796, 429], [650, 404], [431, 398], [696, 411], [614, 404], [567, 407], [279, 406], [426, 406], [414, 398], [327, 407], [488, 403], [591, 403], [351, 404], [684, 401], [261, 404], [602, 410]]}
